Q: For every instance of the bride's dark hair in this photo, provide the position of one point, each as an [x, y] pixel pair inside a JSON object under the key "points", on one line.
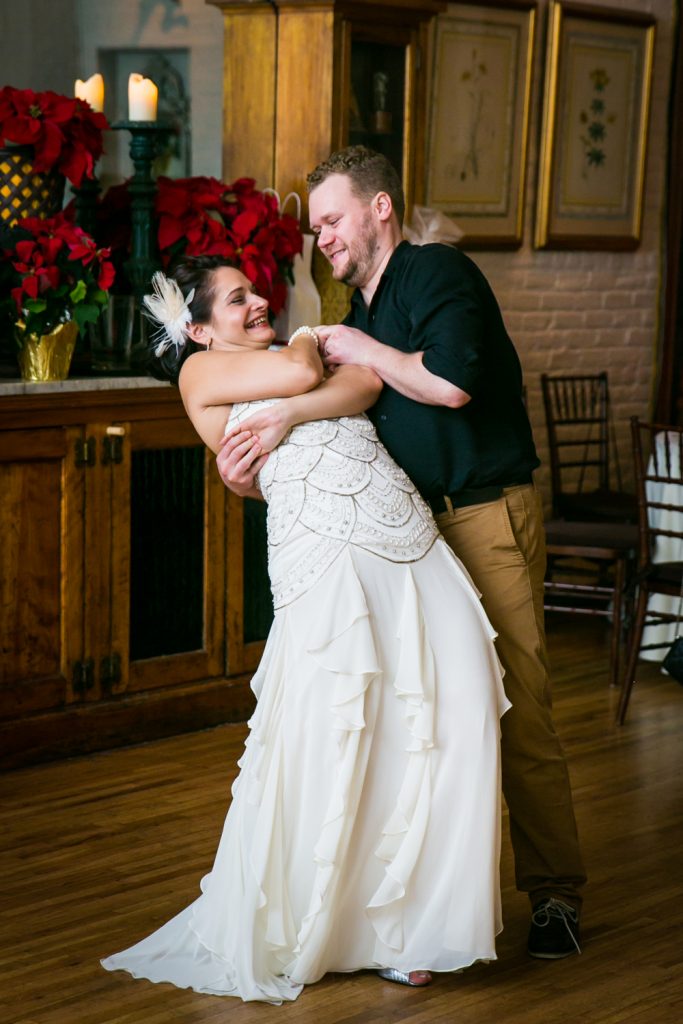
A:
{"points": [[188, 272]]}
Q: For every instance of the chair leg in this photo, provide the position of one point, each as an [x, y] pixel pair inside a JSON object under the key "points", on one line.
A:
{"points": [[617, 615], [636, 640]]}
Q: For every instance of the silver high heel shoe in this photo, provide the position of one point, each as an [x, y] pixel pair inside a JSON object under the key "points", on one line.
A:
{"points": [[401, 978]]}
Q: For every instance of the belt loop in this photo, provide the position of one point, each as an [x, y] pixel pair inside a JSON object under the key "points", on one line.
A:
{"points": [[449, 504]]}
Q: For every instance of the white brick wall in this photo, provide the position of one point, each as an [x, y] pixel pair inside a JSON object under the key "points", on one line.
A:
{"points": [[583, 312], [30, 59]]}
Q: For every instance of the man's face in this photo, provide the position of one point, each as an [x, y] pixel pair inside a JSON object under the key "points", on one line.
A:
{"points": [[346, 230]]}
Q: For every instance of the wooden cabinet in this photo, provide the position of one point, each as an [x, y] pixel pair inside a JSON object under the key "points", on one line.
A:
{"points": [[42, 577], [299, 82], [303, 78], [126, 611]]}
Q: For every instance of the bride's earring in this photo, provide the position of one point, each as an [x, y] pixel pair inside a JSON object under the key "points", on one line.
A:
{"points": [[208, 344]]}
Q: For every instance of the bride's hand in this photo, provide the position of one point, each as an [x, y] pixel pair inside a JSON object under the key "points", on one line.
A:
{"points": [[268, 425]]}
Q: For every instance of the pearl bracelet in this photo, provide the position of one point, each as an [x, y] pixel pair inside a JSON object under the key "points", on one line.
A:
{"points": [[305, 330]]}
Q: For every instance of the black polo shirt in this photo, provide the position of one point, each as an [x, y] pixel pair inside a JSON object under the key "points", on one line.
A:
{"points": [[434, 299]]}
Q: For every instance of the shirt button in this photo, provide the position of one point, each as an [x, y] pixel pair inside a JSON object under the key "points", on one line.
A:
{"points": [[382, 416]]}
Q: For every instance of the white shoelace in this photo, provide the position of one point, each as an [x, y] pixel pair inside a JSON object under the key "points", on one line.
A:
{"points": [[556, 908]]}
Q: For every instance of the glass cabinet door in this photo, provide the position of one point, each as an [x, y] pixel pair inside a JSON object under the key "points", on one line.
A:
{"points": [[168, 559], [377, 98], [167, 547], [383, 82], [250, 604], [257, 597]]}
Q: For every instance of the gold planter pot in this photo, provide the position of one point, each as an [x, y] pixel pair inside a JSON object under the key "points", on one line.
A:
{"points": [[46, 356]]}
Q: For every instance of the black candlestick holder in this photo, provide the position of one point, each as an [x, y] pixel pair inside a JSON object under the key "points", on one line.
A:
{"points": [[144, 257]]}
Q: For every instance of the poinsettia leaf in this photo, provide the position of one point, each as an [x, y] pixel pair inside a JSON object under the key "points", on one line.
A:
{"points": [[215, 216], [85, 313], [78, 293], [36, 305]]}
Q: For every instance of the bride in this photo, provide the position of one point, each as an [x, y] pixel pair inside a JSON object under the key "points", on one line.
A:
{"points": [[364, 829]]}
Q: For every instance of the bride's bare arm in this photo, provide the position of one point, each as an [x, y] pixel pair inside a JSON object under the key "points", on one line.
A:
{"points": [[211, 382], [351, 389]]}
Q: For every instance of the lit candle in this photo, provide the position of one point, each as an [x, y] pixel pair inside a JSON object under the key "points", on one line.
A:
{"points": [[142, 98], [91, 91]]}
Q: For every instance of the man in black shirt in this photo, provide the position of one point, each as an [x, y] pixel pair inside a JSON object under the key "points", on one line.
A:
{"points": [[437, 306], [451, 413]]}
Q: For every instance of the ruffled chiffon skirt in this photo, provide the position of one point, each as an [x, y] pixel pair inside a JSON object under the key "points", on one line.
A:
{"points": [[364, 829]]}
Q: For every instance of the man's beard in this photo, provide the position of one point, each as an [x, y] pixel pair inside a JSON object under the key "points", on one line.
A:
{"points": [[360, 256]]}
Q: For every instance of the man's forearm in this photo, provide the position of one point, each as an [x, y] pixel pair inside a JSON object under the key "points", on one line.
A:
{"points": [[405, 373]]}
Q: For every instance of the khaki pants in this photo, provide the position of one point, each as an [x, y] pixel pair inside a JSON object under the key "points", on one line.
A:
{"points": [[502, 545]]}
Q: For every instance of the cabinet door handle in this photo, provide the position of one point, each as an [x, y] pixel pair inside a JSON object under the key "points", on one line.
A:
{"points": [[112, 445], [110, 670], [83, 678], [84, 452]]}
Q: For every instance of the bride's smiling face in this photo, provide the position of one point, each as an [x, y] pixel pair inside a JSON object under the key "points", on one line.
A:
{"points": [[239, 317]]}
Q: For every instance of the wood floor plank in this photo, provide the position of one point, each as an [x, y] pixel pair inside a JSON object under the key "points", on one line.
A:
{"points": [[98, 851]]}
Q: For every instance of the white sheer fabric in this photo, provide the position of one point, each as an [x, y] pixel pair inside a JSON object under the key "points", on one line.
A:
{"points": [[667, 549], [364, 829]]}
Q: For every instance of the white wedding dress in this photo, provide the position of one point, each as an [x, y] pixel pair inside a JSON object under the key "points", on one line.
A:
{"points": [[364, 830]]}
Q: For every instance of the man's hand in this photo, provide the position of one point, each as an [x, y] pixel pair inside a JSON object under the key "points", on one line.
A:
{"points": [[340, 344], [239, 460], [403, 371]]}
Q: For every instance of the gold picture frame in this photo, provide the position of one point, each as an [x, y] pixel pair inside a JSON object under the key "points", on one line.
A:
{"points": [[594, 131], [481, 83]]}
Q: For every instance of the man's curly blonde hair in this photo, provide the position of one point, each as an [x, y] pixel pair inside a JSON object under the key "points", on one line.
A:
{"points": [[368, 171]]}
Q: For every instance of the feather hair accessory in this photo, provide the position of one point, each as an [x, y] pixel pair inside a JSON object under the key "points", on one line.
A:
{"points": [[171, 311]]}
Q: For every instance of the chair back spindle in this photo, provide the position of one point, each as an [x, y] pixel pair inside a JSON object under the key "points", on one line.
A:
{"points": [[657, 464], [583, 450]]}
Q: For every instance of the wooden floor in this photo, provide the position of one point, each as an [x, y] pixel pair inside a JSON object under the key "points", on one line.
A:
{"points": [[98, 851]]}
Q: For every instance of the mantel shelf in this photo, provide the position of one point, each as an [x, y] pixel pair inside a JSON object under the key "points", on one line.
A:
{"points": [[78, 384]]}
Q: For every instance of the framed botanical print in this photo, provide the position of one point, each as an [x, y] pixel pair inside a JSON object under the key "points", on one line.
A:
{"points": [[482, 63], [594, 131]]}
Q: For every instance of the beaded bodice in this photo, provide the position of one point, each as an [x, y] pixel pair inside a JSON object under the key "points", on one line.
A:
{"points": [[328, 484]]}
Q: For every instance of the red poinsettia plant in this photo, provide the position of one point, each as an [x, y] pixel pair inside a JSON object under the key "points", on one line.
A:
{"points": [[65, 133], [201, 216], [51, 272]]}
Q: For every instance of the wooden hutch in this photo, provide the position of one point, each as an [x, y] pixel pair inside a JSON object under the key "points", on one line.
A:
{"points": [[302, 78]]}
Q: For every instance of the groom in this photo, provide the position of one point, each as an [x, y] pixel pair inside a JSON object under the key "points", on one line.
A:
{"points": [[451, 414]]}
